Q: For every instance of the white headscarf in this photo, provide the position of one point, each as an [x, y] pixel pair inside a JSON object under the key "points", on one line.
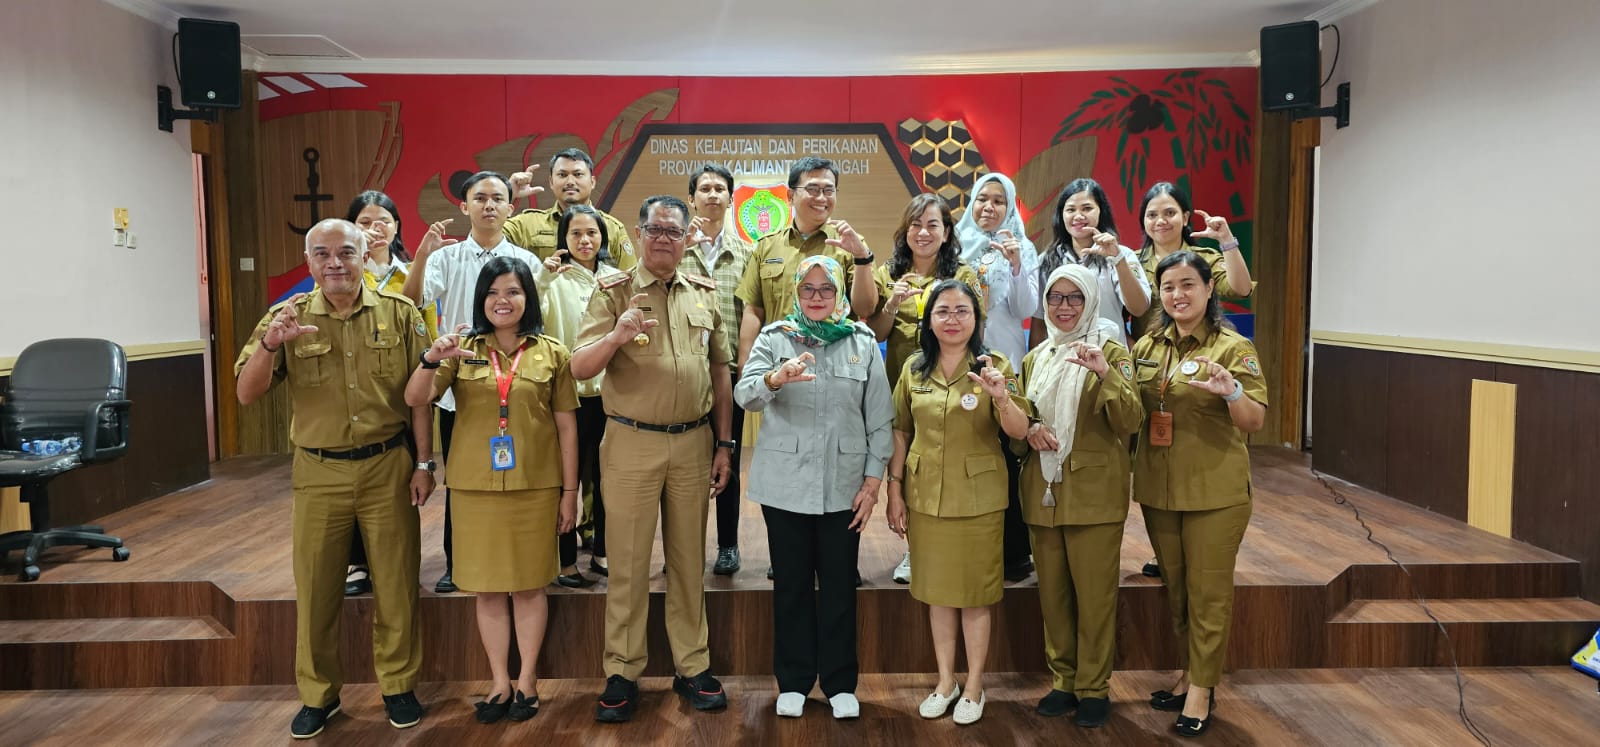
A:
{"points": [[974, 240], [1057, 384]]}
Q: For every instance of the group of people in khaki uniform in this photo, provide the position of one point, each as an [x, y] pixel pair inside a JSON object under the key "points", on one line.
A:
{"points": [[362, 369]]}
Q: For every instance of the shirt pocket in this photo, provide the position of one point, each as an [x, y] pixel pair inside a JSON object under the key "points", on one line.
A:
{"points": [[699, 331], [544, 238], [311, 364], [384, 354], [774, 289], [1082, 460]]}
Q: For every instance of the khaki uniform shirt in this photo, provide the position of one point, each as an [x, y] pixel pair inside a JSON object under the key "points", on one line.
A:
{"points": [[535, 230], [731, 260], [1095, 478], [347, 380], [1208, 465], [1151, 318], [768, 280], [668, 379], [954, 466], [541, 387], [903, 337]]}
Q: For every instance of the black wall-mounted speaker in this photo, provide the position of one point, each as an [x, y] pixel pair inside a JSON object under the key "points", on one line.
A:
{"points": [[1291, 66], [208, 63]]}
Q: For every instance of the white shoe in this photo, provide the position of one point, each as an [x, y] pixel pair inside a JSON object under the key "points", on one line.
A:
{"points": [[935, 704], [968, 712], [791, 704], [845, 705], [902, 572]]}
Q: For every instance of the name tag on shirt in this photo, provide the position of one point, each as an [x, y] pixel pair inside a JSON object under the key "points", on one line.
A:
{"points": [[476, 361]]}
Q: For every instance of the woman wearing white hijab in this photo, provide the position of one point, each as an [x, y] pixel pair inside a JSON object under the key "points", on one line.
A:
{"points": [[1075, 482], [995, 243]]}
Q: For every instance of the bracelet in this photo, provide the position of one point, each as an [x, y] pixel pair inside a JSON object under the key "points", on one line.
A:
{"points": [[864, 261], [425, 363], [1230, 246], [766, 378], [270, 349], [1238, 391], [896, 478]]}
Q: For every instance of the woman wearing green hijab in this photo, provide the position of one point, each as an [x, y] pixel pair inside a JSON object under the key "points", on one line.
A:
{"points": [[818, 460]]}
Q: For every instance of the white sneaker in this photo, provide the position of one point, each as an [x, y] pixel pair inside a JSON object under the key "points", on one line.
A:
{"points": [[845, 705], [791, 704], [935, 704], [968, 712], [902, 572]]}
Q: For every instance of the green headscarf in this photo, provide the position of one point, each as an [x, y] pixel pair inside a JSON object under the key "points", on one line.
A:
{"points": [[837, 325]]}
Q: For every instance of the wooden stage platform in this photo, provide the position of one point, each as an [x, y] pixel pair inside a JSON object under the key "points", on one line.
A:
{"points": [[208, 599]]}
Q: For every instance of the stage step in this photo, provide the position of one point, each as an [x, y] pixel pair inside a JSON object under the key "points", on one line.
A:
{"points": [[1524, 610], [1539, 631], [112, 630]]}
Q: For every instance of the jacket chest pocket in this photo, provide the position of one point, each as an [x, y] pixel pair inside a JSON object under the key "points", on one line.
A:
{"points": [[543, 239], [311, 364], [699, 332], [775, 288], [383, 356]]}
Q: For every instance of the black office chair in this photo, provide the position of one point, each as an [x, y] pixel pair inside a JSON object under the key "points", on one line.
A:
{"points": [[61, 388]]}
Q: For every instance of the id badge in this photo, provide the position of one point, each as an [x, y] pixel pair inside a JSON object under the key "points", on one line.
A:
{"points": [[501, 454], [1161, 428]]}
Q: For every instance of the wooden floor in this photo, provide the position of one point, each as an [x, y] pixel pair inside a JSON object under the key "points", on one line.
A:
{"points": [[208, 597], [1512, 706]]}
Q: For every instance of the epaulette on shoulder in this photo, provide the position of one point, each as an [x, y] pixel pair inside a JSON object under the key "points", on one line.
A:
{"points": [[700, 280], [613, 281], [396, 295], [782, 325]]}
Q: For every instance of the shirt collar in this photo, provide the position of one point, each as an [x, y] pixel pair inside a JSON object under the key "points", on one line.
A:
{"points": [[317, 303]]}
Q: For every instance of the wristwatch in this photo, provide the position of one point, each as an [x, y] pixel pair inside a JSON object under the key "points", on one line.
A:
{"points": [[864, 261], [430, 465], [727, 444]]}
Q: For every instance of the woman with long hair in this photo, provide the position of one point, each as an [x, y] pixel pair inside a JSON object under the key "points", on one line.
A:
{"points": [[1085, 233]]}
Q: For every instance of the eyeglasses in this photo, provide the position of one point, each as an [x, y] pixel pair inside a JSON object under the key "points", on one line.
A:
{"points": [[826, 292], [962, 314], [1075, 300], [820, 191], [655, 232]]}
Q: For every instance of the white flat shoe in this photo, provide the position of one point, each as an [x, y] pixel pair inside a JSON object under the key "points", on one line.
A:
{"points": [[791, 704], [845, 705], [935, 704], [968, 712], [902, 572]]}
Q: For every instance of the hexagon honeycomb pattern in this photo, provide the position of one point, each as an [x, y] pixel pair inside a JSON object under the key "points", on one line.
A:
{"points": [[947, 157]]}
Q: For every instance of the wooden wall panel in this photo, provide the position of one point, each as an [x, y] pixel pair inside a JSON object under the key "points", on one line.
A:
{"points": [[1430, 413], [1350, 388]]}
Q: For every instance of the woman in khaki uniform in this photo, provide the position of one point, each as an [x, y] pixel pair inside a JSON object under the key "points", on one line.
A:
{"points": [[514, 472], [1165, 215], [925, 251], [1075, 487], [947, 483], [1203, 391]]}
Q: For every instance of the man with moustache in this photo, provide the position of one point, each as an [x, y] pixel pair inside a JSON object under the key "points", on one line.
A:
{"points": [[344, 350], [572, 182]]}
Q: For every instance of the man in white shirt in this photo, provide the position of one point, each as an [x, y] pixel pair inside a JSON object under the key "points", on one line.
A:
{"points": [[447, 270]]}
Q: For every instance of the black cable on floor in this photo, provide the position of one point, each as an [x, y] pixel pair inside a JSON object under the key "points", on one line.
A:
{"points": [[1461, 692]]}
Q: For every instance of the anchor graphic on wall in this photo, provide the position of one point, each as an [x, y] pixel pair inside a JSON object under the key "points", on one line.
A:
{"points": [[313, 180]]}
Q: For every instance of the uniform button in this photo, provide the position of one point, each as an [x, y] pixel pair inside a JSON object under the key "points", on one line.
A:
{"points": [[349, 353], [355, 417], [352, 386]]}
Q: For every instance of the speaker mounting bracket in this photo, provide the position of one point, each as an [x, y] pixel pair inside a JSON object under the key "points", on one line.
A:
{"points": [[166, 115], [1340, 111]]}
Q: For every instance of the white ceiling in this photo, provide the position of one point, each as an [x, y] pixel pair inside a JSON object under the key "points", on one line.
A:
{"points": [[743, 37]]}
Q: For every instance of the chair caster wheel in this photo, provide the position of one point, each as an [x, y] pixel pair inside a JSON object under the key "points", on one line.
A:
{"points": [[119, 554], [30, 573]]}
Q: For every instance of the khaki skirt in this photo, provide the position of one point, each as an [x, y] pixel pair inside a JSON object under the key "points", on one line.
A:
{"points": [[504, 541], [956, 562]]}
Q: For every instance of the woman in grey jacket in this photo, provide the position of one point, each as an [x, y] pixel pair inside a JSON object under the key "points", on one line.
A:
{"points": [[820, 455]]}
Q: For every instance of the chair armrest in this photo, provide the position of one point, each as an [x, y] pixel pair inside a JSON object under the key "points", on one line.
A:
{"points": [[91, 428]]}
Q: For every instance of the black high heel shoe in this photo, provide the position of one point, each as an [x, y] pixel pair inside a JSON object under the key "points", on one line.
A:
{"points": [[1164, 700], [524, 707], [492, 709], [1193, 727]]}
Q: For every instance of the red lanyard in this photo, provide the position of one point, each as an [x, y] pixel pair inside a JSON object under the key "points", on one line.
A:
{"points": [[503, 382]]}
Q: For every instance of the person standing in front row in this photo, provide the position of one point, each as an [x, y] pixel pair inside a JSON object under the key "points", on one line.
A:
{"points": [[447, 271], [1203, 392], [825, 440], [1075, 488], [954, 399], [516, 480], [718, 252], [655, 324], [343, 350]]}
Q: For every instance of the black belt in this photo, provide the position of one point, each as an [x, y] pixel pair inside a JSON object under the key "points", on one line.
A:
{"points": [[674, 428], [360, 452]]}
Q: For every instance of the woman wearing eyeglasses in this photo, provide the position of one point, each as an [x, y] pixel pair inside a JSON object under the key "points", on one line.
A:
{"points": [[946, 488], [825, 439], [1075, 488]]}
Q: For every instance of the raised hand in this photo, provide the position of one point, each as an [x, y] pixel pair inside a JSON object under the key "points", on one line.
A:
{"points": [[448, 346], [285, 325], [1089, 356], [632, 322], [792, 370], [522, 183], [1218, 381], [1011, 248], [1042, 438], [903, 289], [554, 265], [849, 240], [1105, 245], [990, 378], [434, 239], [1216, 227], [697, 231]]}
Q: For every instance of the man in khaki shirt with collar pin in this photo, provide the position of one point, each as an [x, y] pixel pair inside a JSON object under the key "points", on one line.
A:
{"points": [[572, 183], [767, 288], [656, 333], [718, 252], [345, 351]]}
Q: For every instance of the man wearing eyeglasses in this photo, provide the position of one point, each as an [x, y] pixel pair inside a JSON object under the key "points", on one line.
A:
{"points": [[572, 182], [767, 288], [656, 333]]}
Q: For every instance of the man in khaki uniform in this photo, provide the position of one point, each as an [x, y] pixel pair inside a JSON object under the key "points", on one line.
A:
{"points": [[345, 351], [572, 182], [656, 333], [767, 287]]}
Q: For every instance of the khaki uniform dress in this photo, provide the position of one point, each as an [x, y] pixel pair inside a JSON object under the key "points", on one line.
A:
{"points": [[1151, 318], [1077, 543], [505, 520], [903, 336], [955, 484], [665, 382], [1195, 494], [347, 392], [535, 230]]}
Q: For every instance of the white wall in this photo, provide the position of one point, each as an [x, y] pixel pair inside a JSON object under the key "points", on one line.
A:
{"points": [[1461, 203], [78, 137]]}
